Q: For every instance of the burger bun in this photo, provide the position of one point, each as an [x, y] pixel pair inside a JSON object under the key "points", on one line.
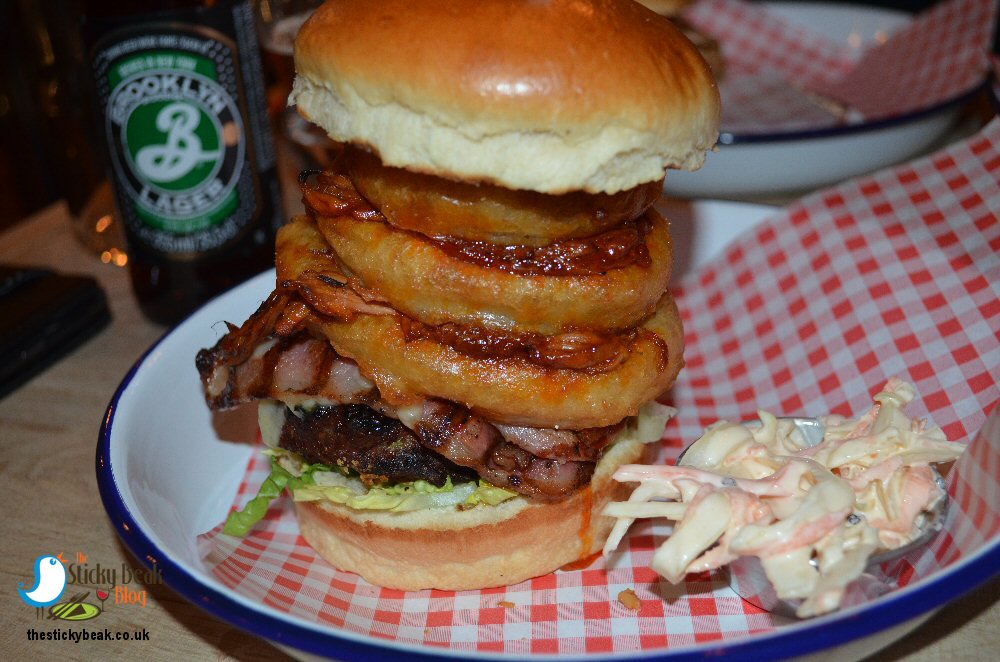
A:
{"points": [[591, 95]]}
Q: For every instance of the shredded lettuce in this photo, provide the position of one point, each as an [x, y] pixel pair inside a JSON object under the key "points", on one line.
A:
{"points": [[648, 426], [404, 497], [240, 522], [489, 494], [319, 482]]}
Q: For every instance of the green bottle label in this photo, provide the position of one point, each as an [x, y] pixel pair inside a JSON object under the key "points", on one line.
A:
{"points": [[181, 144], [180, 135]]}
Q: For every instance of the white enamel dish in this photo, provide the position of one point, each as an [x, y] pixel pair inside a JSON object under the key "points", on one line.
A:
{"points": [[765, 164], [168, 471]]}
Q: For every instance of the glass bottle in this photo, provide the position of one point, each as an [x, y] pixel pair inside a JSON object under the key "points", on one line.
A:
{"points": [[180, 94]]}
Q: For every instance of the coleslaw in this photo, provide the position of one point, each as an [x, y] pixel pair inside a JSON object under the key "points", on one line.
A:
{"points": [[813, 514]]}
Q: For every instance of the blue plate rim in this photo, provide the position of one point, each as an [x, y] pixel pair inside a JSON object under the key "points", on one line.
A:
{"points": [[826, 632], [730, 139]]}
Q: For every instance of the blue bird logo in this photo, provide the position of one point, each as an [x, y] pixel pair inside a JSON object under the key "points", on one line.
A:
{"points": [[50, 583]]}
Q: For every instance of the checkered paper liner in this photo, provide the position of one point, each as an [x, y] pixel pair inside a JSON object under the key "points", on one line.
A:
{"points": [[809, 312], [781, 76]]}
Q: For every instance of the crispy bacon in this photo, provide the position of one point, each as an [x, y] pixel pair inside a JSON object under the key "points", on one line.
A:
{"points": [[294, 366], [272, 356], [333, 194], [584, 445], [340, 299], [470, 441]]}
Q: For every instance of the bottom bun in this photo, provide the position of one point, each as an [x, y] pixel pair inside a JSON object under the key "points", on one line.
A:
{"points": [[469, 549]]}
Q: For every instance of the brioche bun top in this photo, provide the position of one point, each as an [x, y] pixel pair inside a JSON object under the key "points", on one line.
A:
{"points": [[555, 96]]}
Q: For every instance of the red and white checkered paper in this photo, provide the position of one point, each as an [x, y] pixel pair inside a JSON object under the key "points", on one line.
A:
{"points": [[782, 76], [810, 312]]}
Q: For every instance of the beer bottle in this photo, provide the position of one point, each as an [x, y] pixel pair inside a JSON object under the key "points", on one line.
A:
{"points": [[180, 92]]}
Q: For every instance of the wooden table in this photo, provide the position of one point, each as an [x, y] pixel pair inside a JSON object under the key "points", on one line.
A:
{"points": [[48, 431]]}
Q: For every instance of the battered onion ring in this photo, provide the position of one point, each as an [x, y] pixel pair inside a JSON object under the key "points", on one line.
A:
{"points": [[421, 280], [483, 212], [513, 391], [300, 248], [307, 264]]}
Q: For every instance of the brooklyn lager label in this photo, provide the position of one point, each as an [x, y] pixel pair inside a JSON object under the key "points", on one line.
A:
{"points": [[177, 133]]}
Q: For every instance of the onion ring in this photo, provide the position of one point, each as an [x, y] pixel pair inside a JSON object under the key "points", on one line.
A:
{"points": [[512, 391], [307, 265], [418, 277], [437, 207]]}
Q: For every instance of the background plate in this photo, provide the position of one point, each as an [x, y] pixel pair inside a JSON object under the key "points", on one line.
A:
{"points": [[763, 163]]}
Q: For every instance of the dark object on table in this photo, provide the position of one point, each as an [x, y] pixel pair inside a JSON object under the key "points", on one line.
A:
{"points": [[44, 316]]}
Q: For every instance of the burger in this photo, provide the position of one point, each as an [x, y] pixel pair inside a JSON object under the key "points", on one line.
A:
{"points": [[471, 325]]}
